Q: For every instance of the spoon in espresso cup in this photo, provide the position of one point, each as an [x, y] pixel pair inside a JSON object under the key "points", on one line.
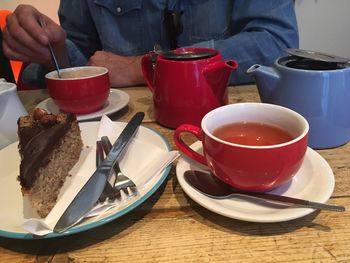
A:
{"points": [[53, 57], [212, 187]]}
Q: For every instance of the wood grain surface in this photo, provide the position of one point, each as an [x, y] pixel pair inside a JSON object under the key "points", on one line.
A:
{"points": [[170, 227]]}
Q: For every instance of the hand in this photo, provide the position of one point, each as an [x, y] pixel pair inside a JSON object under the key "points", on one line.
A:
{"points": [[123, 71], [26, 40]]}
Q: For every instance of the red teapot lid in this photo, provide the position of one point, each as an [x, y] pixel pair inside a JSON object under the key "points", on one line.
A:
{"points": [[188, 54]]}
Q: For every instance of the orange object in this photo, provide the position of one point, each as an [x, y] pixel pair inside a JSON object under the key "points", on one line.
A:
{"points": [[3, 15], [15, 65]]}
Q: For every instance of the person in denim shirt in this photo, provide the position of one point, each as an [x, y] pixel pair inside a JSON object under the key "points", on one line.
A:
{"points": [[116, 33]]}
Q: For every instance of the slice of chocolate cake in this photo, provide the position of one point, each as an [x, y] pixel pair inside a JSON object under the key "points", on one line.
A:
{"points": [[49, 146]]}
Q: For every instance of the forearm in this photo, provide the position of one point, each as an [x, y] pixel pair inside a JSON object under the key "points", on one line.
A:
{"points": [[249, 48], [261, 31], [76, 20]]}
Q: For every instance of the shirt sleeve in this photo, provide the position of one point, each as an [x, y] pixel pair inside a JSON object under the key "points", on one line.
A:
{"points": [[261, 31], [83, 39]]}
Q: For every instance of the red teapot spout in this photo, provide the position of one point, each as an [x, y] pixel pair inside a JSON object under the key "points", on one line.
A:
{"points": [[218, 74]]}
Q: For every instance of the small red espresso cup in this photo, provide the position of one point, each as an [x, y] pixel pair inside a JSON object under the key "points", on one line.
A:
{"points": [[80, 90], [250, 146]]}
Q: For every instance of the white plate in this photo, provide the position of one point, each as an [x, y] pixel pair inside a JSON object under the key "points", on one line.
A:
{"points": [[11, 201], [117, 100], [314, 181]]}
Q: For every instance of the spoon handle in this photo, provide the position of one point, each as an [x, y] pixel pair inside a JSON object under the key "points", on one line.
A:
{"points": [[53, 57], [54, 60], [208, 185], [294, 201]]}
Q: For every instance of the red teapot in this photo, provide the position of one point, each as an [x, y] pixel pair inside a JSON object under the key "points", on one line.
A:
{"points": [[186, 83]]}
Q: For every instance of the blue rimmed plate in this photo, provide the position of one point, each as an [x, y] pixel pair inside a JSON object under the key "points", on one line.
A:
{"points": [[11, 200]]}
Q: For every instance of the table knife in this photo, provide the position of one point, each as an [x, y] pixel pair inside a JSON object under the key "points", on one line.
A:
{"points": [[91, 191]]}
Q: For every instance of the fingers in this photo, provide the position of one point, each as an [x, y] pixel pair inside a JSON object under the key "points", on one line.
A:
{"points": [[53, 32], [22, 25], [16, 50], [123, 71], [25, 39], [100, 58]]}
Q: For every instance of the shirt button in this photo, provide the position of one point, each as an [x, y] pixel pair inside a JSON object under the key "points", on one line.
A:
{"points": [[119, 9]]}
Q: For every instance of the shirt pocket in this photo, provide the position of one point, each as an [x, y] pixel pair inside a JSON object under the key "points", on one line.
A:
{"points": [[119, 24], [209, 20]]}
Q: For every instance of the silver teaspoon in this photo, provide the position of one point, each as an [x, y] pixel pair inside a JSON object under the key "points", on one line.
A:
{"points": [[210, 186], [53, 57]]}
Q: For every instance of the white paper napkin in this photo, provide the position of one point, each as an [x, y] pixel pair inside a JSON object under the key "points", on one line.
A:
{"points": [[140, 161]]}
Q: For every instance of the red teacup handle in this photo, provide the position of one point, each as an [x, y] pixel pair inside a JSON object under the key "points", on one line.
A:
{"points": [[183, 147]]}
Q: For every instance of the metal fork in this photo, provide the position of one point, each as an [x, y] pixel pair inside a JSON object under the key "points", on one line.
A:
{"points": [[121, 181], [108, 192]]}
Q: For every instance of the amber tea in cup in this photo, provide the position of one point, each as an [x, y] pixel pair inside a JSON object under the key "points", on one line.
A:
{"points": [[81, 72], [252, 133]]}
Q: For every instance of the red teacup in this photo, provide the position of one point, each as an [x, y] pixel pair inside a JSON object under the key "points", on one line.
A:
{"points": [[80, 90], [249, 167]]}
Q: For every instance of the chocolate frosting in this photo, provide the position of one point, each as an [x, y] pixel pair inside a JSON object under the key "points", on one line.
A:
{"points": [[36, 142]]}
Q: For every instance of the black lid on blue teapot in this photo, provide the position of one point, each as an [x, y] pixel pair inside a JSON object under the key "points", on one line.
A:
{"points": [[315, 55]]}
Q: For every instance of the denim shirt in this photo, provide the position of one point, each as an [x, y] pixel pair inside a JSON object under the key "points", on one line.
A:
{"points": [[248, 31]]}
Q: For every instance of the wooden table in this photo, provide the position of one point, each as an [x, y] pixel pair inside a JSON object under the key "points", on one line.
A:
{"points": [[170, 227]]}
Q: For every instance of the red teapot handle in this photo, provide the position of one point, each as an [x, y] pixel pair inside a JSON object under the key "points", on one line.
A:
{"points": [[148, 71]]}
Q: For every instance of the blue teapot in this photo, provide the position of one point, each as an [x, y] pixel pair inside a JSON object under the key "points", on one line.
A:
{"points": [[319, 89]]}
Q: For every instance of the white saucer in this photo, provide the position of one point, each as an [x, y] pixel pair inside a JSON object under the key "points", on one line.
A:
{"points": [[116, 101], [314, 181]]}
